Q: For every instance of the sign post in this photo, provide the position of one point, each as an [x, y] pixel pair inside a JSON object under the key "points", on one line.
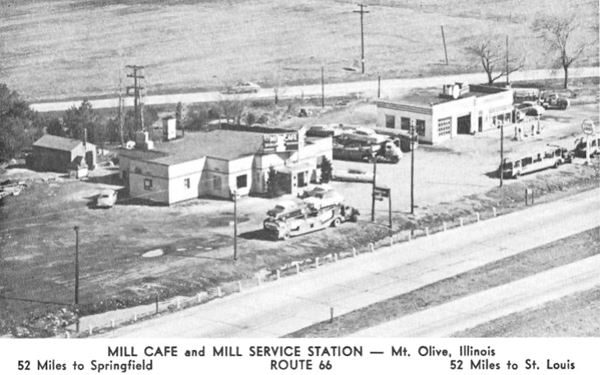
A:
{"points": [[587, 126]]}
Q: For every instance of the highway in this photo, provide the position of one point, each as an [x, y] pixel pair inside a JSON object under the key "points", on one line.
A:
{"points": [[478, 308], [277, 308], [363, 88]]}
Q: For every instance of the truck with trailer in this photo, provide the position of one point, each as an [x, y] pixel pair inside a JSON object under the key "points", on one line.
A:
{"points": [[306, 219]]}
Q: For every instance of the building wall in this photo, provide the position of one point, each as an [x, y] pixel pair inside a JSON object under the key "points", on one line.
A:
{"points": [[149, 180], [238, 168], [413, 113], [493, 108], [46, 159], [185, 180]]}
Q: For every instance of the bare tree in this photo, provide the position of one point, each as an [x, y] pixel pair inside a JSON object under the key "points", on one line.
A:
{"points": [[558, 32], [493, 59]]}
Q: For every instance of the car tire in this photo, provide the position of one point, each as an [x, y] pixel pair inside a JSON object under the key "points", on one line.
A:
{"points": [[336, 222]]}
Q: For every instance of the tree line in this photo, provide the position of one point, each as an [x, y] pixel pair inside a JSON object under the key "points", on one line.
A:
{"points": [[559, 33]]}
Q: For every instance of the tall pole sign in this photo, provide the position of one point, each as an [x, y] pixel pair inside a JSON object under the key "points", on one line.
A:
{"points": [[587, 126]]}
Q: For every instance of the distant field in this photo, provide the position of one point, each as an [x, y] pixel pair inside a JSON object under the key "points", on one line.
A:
{"points": [[64, 48]]}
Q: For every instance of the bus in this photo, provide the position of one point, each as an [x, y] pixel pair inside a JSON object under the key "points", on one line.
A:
{"points": [[533, 162]]}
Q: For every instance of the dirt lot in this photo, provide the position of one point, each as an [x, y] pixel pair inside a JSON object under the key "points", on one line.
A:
{"points": [[37, 237], [55, 49], [559, 318]]}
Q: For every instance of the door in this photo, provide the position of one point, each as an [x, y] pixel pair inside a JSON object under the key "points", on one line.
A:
{"points": [[480, 124], [464, 124]]}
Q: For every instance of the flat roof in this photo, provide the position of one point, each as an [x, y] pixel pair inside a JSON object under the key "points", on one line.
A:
{"points": [[221, 144], [431, 96]]}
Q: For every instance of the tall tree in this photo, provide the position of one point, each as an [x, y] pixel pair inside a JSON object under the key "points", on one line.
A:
{"points": [[19, 125], [56, 127], [558, 31], [78, 119], [492, 57]]}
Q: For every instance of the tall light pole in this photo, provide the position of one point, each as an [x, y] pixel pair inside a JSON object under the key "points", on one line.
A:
{"points": [[362, 11], [76, 228], [322, 86], [373, 188], [234, 196], [501, 154], [412, 166]]}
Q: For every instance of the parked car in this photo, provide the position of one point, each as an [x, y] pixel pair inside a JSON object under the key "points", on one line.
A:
{"points": [[530, 109], [551, 100], [322, 197], [243, 87], [581, 146], [106, 198], [286, 208]]}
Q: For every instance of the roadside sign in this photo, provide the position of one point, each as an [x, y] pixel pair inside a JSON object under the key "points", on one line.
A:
{"points": [[587, 126], [381, 192]]}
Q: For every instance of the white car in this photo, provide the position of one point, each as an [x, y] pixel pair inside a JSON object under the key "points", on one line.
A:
{"points": [[531, 109], [106, 198], [243, 87]]}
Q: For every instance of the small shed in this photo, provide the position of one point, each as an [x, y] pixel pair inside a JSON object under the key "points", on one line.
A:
{"points": [[53, 153]]}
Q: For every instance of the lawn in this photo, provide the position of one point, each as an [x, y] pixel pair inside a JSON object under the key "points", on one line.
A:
{"points": [[55, 49]]}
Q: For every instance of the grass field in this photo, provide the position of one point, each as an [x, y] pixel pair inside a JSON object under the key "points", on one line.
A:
{"points": [[66, 48]]}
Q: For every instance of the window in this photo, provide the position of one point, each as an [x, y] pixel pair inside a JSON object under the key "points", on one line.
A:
{"points": [[421, 128], [242, 181], [186, 183], [444, 126], [404, 123], [217, 183], [527, 161], [390, 121], [147, 184], [301, 179]]}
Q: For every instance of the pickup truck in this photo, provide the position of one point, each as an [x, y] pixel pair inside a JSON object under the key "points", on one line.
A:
{"points": [[554, 101]]}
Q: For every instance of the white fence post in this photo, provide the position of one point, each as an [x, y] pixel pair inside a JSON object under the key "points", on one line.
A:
{"points": [[494, 211], [317, 262], [477, 216], [445, 226], [462, 221], [112, 323], [297, 268], [219, 292], [278, 273], [427, 231], [239, 285], [372, 247], [353, 251]]}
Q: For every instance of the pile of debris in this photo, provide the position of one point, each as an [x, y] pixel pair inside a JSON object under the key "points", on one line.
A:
{"points": [[47, 325], [9, 187]]}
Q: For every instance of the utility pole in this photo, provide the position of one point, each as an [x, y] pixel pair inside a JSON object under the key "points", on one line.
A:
{"points": [[507, 72], [373, 188], [234, 194], [120, 110], [362, 11], [137, 92], [412, 167], [390, 209], [379, 86], [444, 40], [501, 154], [322, 86], [76, 228]]}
